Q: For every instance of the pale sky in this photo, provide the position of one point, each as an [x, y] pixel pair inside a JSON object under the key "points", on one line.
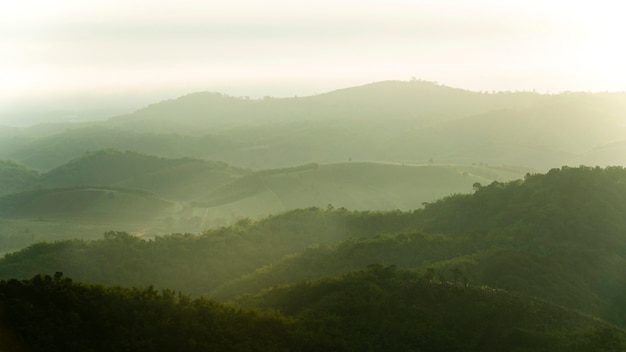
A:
{"points": [[94, 50]]}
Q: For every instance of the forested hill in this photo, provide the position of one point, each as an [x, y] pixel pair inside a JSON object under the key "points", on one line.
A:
{"points": [[381, 309], [392, 121], [416, 103], [181, 178], [584, 206], [15, 177], [559, 236]]}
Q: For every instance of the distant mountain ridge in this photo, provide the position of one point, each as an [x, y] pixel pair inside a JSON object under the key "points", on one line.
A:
{"points": [[391, 121], [421, 101]]}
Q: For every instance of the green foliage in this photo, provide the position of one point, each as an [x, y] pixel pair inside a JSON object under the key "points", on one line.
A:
{"points": [[387, 309], [380, 309], [15, 177], [193, 263], [410, 250], [565, 231], [55, 314], [557, 236]]}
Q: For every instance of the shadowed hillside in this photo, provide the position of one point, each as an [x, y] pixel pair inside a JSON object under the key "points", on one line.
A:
{"points": [[558, 236], [381, 309], [176, 179], [84, 204], [15, 177]]}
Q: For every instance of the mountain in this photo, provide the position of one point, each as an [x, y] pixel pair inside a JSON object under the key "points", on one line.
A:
{"points": [[404, 122], [415, 102]]}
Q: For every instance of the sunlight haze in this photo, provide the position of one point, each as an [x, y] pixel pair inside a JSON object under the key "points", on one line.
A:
{"points": [[62, 54]]}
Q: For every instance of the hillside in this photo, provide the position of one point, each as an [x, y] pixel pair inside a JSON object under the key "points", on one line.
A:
{"points": [[219, 192], [352, 185], [15, 177], [54, 150], [606, 154], [176, 179], [414, 102], [381, 309], [404, 122], [84, 204], [208, 194], [558, 236], [195, 264], [562, 129]]}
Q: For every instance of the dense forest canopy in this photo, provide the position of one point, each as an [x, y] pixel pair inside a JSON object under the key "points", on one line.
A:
{"points": [[378, 309], [558, 236]]}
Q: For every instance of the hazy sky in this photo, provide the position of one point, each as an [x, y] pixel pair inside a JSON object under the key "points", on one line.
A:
{"points": [[92, 49]]}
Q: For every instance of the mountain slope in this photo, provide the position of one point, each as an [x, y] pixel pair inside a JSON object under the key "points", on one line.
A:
{"points": [[558, 236], [387, 309], [415, 102], [52, 151], [381, 309], [15, 177], [84, 204], [352, 185], [178, 179], [405, 122]]}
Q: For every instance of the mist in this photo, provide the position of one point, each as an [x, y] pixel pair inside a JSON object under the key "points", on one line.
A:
{"points": [[245, 176]]}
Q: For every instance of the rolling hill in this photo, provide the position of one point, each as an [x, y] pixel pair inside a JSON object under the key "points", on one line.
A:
{"points": [[557, 236], [206, 194], [219, 193], [384, 309], [85, 204], [175, 179], [415, 103], [438, 192], [403, 122], [351, 185], [15, 177], [380, 309]]}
